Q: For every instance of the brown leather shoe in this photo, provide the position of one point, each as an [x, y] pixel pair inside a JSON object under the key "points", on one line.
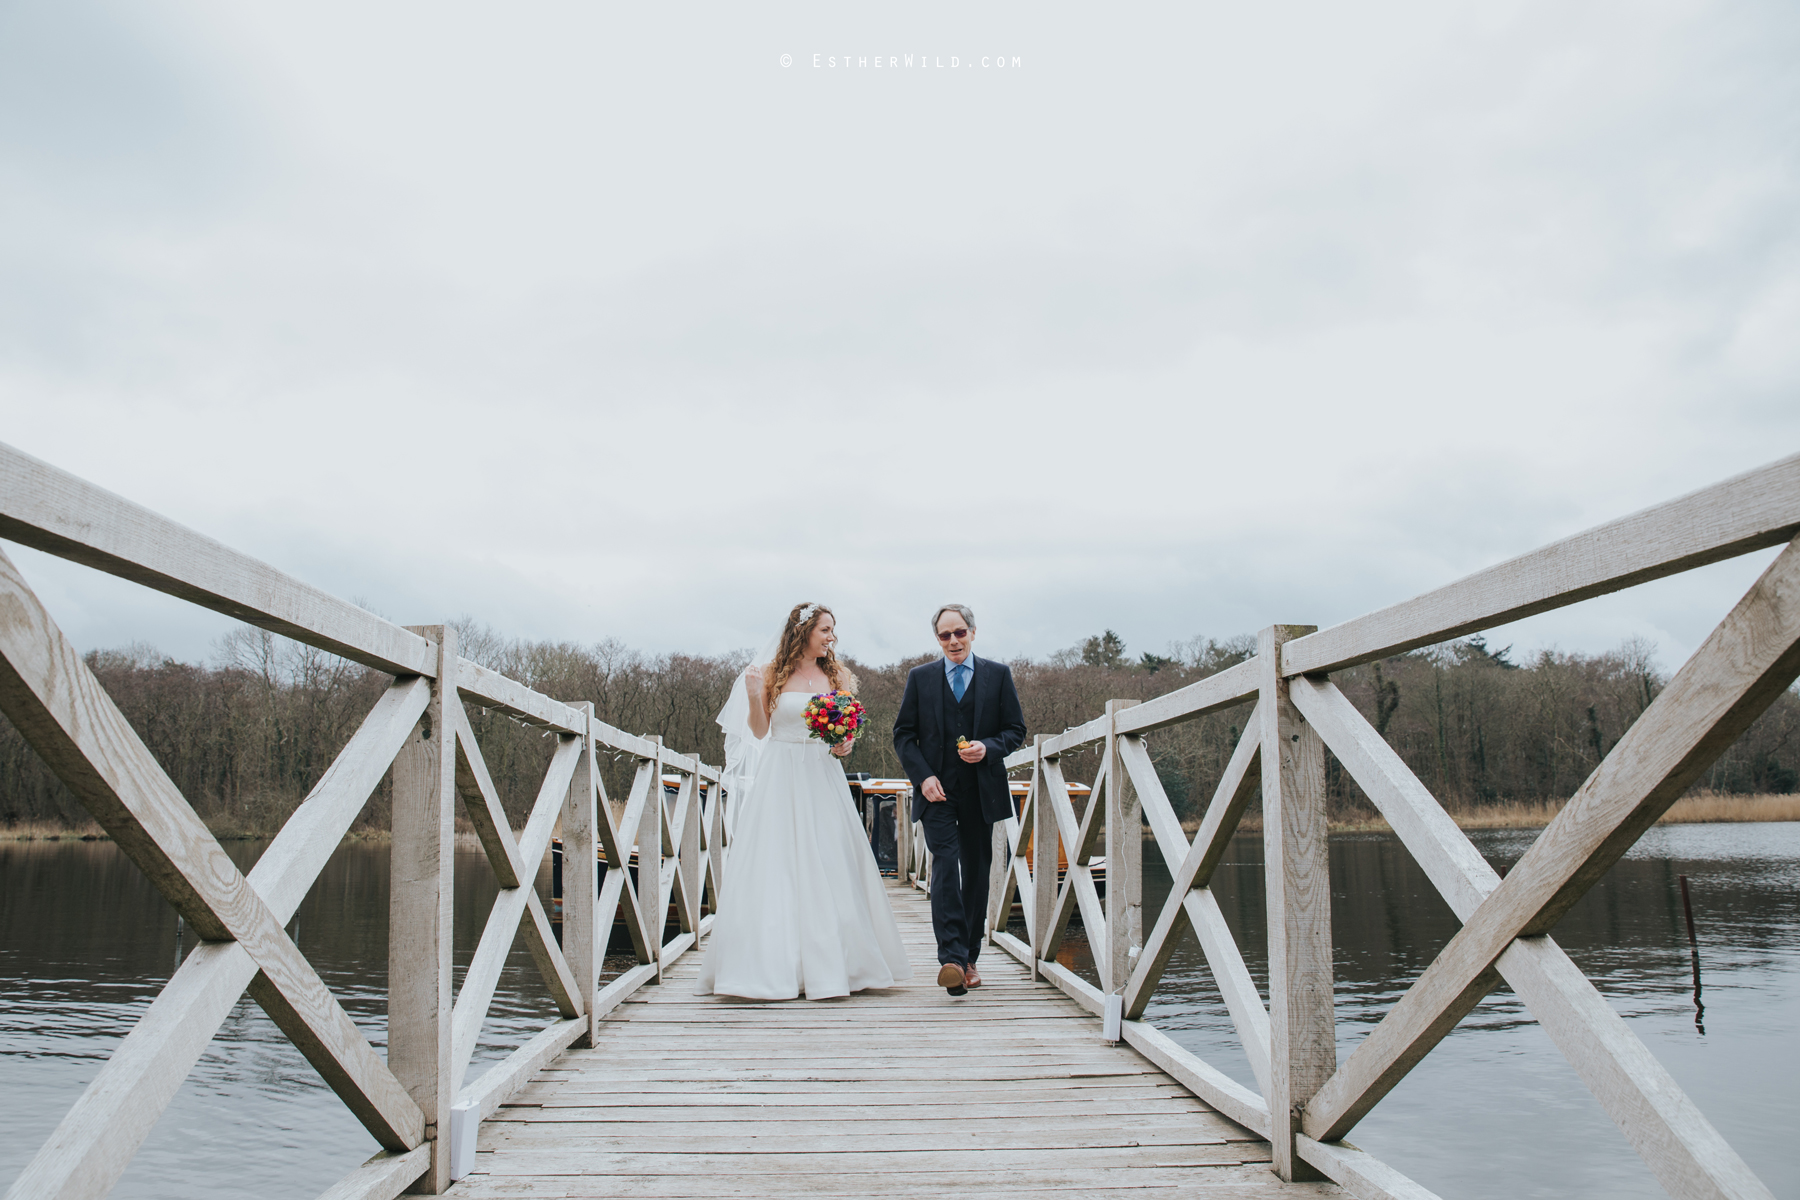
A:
{"points": [[951, 979], [971, 977]]}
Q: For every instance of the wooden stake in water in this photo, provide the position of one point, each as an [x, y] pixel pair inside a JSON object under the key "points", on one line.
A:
{"points": [[1687, 906]]}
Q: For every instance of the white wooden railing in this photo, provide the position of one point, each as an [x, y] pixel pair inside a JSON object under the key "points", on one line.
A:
{"points": [[417, 1102], [1306, 1101]]}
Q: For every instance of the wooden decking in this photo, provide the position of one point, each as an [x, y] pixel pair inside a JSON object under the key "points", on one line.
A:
{"points": [[892, 1093]]}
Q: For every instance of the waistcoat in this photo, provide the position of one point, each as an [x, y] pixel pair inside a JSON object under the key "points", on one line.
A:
{"points": [[959, 721]]}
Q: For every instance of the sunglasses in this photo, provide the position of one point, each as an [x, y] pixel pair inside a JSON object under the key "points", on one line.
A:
{"points": [[946, 635]]}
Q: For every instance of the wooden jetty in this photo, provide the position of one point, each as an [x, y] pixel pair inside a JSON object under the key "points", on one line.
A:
{"points": [[898, 1092], [639, 1088]]}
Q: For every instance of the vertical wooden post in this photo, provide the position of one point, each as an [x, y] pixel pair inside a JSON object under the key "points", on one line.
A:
{"points": [[1044, 839], [689, 850], [1124, 859], [421, 913], [715, 841], [649, 851], [903, 837], [580, 937], [998, 870], [1302, 1035]]}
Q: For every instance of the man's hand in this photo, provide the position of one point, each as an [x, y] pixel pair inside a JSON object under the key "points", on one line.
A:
{"points": [[973, 752], [934, 791]]}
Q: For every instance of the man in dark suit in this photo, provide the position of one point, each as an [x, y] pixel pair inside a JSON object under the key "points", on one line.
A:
{"points": [[958, 721]]}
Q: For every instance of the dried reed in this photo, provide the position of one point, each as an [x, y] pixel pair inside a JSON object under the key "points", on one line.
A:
{"points": [[1701, 807]]}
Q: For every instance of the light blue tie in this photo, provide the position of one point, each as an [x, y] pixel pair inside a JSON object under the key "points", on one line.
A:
{"points": [[959, 680]]}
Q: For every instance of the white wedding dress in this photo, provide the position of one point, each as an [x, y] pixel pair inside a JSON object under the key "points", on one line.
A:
{"points": [[802, 909]]}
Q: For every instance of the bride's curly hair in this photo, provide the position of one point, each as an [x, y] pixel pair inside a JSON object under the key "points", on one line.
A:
{"points": [[801, 622]]}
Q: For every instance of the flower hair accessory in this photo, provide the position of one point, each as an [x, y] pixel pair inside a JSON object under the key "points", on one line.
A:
{"points": [[806, 614]]}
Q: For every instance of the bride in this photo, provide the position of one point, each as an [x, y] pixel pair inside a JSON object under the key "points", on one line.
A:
{"points": [[802, 907]]}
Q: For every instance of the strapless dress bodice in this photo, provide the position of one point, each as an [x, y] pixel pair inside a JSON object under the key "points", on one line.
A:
{"points": [[787, 724]]}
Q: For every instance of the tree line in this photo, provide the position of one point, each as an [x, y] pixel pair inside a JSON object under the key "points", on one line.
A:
{"points": [[245, 736]]}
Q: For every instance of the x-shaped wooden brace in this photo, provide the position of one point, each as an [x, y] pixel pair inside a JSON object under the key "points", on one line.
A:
{"points": [[1741, 668], [618, 891], [717, 841], [1016, 878], [1082, 840], [683, 876], [1191, 902], [56, 703], [517, 908]]}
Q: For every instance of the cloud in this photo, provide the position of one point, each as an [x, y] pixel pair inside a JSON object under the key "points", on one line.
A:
{"points": [[603, 323]]}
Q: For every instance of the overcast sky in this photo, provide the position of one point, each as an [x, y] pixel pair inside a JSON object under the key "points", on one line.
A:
{"points": [[605, 320]]}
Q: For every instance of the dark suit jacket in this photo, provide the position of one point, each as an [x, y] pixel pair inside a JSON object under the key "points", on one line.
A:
{"points": [[922, 740]]}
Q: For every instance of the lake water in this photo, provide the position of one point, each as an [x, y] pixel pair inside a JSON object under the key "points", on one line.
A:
{"points": [[85, 943], [1495, 1111]]}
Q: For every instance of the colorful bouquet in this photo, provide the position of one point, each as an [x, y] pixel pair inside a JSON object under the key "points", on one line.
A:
{"points": [[835, 717]]}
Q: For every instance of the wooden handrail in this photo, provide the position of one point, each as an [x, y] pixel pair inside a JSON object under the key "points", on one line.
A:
{"points": [[1747, 512], [414, 1102], [1749, 660], [419, 726]]}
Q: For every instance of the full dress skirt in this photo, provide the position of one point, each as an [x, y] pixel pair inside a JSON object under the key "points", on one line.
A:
{"points": [[802, 909]]}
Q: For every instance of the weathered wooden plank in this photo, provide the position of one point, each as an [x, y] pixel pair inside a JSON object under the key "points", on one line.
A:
{"points": [[618, 840], [481, 803], [704, 1140], [555, 1088], [55, 702], [1046, 843], [1231, 1098], [383, 1177], [94, 1142], [1165, 827], [1737, 672], [565, 990], [500, 1082], [1302, 1034], [730, 1016], [1194, 868], [56, 512], [992, 1116], [622, 1036], [1668, 1130], [582, 935], [706, 1094], [1748, 512], [1079, 838], [494, 690], [1073, 739], [1074, 986], [1222, 1180], [614, 993], [895, 1068], [1229, 687], [688, 878], [653, 896], [515, 909], [422, 913], [541, 1161], [1226, 961], [1689, 1156], [1363, 1174], [1124, 832]]}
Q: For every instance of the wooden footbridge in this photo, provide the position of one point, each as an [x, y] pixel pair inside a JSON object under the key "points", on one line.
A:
{"points": [[1042, 1081]]}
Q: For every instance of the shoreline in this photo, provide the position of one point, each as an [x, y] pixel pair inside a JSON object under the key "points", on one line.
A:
{"points": [[1701, 809], [1705, 808]]}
